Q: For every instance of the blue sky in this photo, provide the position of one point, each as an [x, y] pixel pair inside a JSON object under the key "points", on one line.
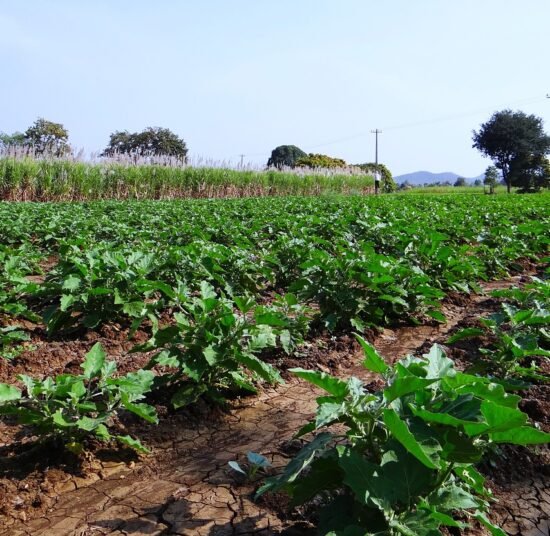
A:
{"points": [[244, 76]]}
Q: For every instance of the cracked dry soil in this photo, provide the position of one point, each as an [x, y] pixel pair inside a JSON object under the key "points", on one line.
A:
{"points": [[186, 488]]}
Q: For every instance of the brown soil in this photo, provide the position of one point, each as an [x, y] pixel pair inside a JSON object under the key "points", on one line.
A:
{"points": [[185, 486]]}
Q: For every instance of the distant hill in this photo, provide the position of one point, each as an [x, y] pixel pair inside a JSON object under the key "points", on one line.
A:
{"points": [[423, 177]]}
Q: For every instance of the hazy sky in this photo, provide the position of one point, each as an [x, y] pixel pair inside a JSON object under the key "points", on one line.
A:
{"points": [[243, 76]]}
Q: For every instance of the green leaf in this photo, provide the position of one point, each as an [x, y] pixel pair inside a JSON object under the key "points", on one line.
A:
{"points": [[244, 303], [188, 395], [211, 355], [132, 443], [437, 315], [493, 392], [8, 393], [328, 413], [134, 309], [264, 370], [439, 366], [285, 339], [473, 479], [401, 432], [330, 384], [440, 418], [466, 333], [66, 301], [499, 419], [484, 520], [135, 383], [94, 361], [373, 361], [270, 318], [71, 283], [295, 467], [145, 411], [399, 480], [102, 432], [78, 389], [207, 291], [87, 424], [524, 435], [60, 420], [403, 385], [452, 497]]}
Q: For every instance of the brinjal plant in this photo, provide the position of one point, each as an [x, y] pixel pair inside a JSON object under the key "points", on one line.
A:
{"points": [[401, 460], [71, 408]]}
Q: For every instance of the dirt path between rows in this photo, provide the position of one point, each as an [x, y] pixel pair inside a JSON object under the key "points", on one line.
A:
{"points": [[186, 488]]}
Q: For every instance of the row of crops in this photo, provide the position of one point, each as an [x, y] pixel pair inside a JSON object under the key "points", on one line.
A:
{"points": [[55, 179], [217, 284]]}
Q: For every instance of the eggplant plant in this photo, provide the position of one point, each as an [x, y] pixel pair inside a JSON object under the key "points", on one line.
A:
{"points": [[402, 460], [71, 408]]}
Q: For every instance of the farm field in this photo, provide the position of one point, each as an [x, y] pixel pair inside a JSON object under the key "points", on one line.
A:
{"points": [[209, 310], [56, 179]]}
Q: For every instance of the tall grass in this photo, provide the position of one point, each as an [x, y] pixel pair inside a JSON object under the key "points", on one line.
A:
{"points": [[27, 178]]}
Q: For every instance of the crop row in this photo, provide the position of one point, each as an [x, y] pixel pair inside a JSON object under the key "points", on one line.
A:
{"points": [[28, 179], [359, 261], [219, 283]]}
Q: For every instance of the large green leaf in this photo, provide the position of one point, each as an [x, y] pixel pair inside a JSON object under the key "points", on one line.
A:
{"points": [[330, 384], [94, 361], [88, 424], [440, 418], [132, 443], [295, 467], [523, 435], [401, 432], [403, 385], [9, 393], [465, 333], [328, 413], [373, 361], [145, 411], [263, 369], [439, 366], [499, 419]]}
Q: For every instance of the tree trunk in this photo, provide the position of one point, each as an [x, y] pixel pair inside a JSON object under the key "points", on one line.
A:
{"points": [[507, 179]]}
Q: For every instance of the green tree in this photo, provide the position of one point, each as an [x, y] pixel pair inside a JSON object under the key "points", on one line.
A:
{"points": [[477, 182], [47, 137], [320, 161], [388, 184], [530, 173], [285, 156], [460, 181], [511, 140], [153, 141], [11, 140], [491, 178]]}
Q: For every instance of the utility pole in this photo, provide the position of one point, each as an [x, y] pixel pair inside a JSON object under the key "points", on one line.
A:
{"points": [[377, 174], [242, 159]]}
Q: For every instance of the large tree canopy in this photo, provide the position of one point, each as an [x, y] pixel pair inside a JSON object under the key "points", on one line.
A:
{"points": [[153, 141], [285, 156], [515, 142], [46, 138], [320, 161]]}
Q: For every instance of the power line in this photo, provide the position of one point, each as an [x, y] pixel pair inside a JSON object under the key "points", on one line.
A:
{"points": [[431, 121]]}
